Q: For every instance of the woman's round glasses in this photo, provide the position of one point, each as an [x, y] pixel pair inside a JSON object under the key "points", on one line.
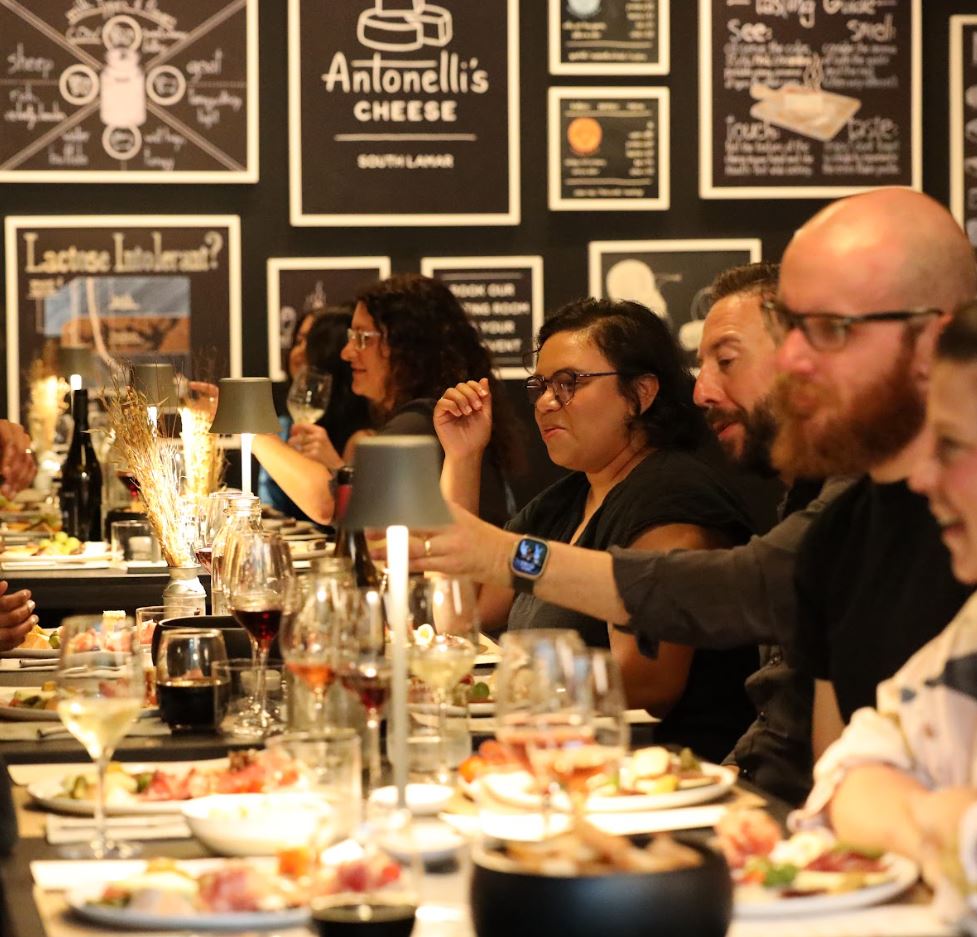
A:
{"points": [[563, 384]]}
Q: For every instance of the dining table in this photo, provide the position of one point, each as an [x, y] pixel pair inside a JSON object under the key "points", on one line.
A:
{"points": [[34, 876]]}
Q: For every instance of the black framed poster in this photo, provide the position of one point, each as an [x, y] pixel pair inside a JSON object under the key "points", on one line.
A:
{"points": [[608, 149], [147, 91], [503, 296], [404, 112], [963, 123], [808, 100], [130, 287], [608, 37], [297, 285], [669, 277]]}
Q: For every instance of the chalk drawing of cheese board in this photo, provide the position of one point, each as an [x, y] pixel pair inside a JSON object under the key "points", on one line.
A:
{"points": [[808, 111]]}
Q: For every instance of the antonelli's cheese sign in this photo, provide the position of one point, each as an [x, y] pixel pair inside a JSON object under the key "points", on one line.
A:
{"points": [[404, 112]]}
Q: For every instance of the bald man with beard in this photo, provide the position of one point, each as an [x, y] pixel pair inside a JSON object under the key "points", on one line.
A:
{"points": [[865, 288]]}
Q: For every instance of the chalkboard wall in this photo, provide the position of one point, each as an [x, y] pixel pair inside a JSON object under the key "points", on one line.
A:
{"points": [[561, 238]]}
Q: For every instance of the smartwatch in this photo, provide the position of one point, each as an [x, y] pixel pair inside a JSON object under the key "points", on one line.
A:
{"points": [[527, 563]]}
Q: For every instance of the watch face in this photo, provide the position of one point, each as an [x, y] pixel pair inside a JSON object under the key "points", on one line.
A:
{"points": [[529, 557]]}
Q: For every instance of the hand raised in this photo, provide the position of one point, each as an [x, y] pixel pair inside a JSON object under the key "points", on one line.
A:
{"points": [[463, 419]]}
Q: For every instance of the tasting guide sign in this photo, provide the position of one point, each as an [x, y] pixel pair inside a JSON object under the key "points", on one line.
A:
{"points": [[300, 285], [404, 112], [808, 99], [128, 287], [608, 37], [963, 123], [503, 297], [128, 91]]}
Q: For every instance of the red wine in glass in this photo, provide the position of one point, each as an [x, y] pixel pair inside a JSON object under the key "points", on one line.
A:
{"points": [[263, 624], [370, 683], [131, 482], [204, 556]]}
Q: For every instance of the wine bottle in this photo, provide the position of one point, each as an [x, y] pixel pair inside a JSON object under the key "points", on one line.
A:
{"points": [[81, 477], [351, 544]]}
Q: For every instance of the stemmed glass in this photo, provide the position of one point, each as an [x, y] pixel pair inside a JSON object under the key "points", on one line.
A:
{"points": [[585, 736], [308, 397], [259, 580], [309, 640], [444, 618], [537, 698], [100, 693], [364, 667]]}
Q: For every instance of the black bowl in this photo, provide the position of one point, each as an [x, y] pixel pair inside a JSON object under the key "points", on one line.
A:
{"points": [[511, 903]]}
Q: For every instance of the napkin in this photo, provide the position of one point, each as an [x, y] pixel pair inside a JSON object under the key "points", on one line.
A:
{"points": [[62, 830], [33, 731]]}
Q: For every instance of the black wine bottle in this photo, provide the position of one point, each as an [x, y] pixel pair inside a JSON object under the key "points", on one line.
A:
{"points": [[351, 544], [81, 477]]}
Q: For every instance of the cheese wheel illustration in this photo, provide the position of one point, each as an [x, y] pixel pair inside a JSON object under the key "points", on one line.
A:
{"points": [[399, 6], [584, 134], [389, 32], [435, 25]]}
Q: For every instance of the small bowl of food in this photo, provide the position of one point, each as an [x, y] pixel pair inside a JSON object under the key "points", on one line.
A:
{"points": [[257, 824], [586, 882]]}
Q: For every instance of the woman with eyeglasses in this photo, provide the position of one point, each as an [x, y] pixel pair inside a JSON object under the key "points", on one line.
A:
{"points": [[613, 403], [408, 340]]}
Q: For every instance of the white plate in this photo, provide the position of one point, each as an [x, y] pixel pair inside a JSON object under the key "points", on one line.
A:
{"points": [[515, 788], [137, 920], [36, 653], [755, 901], [22, 714], [47, 793], [422, 799], [430, 840], [481, 709]]}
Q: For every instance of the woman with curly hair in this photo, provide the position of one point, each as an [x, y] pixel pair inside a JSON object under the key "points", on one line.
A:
{"points": [[409, 340], [613, 403]]}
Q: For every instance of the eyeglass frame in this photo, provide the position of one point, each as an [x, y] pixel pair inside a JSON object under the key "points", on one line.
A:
{"points": [[360, 337], [774, 311], [544, 384]]}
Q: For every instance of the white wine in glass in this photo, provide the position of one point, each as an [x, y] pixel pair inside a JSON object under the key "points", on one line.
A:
{"points": [[308, 397], [100, 693], [444, 617]]}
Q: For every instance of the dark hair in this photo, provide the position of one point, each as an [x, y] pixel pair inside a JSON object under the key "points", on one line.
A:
{"points": [[958, 341], [433, 346], [636, 342], [347, 412], [760, 278]]}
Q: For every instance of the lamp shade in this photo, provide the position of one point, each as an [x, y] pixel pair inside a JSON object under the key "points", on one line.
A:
{"points": [[245, 405], [397, 482], [155, 382], [76, 360]]}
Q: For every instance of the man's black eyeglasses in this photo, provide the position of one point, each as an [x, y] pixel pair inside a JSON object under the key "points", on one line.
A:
{"points": [[828, 331]]}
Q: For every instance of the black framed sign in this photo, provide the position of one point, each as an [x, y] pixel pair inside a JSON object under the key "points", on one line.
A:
{"points": [[503, 296], [808, 100], [669, 277], [608, 149], [963, 123], [297, 285], [608, 37], [130, 287], [135, 91], [404, 112]]}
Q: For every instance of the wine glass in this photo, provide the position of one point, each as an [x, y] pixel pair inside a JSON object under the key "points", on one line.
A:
{"points": [[100, 693], [535, 671], [189, 687], [586, 736], [308, 397], [259, 578], [444, 618], [309, 639], [365, 667]]}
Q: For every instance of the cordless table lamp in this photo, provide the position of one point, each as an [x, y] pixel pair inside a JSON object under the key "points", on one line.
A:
{"points": [[397, 487], [155, 382], [75, 363], [245, 407]]}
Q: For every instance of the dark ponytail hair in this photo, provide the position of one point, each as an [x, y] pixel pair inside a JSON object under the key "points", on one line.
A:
{"points": [[958, 341]]}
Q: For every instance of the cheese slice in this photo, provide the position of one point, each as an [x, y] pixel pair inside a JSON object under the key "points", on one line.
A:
{"points": [[389, 32]]}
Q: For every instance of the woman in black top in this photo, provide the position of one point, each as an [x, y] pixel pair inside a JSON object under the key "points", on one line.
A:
{"points": [[613, 403], [409, 339]]}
